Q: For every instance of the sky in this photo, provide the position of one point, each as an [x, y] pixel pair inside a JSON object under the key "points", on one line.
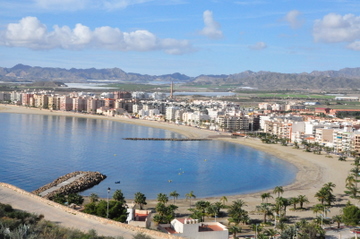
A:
{"points": [[192, 37]]}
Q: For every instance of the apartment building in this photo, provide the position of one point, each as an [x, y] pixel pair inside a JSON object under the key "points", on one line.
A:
{"points": [[233, 123]]}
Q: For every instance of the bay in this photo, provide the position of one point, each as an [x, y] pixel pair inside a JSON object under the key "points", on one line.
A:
{"points": [[36, 149]]}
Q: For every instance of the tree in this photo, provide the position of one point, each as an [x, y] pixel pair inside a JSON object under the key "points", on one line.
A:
{"points": [[202, 206], [351, 215], [329, 186], [59, 198], [278, 190], [325, 194], [234, 230], [337, 219], [94, 197], [117, 210], [75, 198], [265, 209], [163, 198], [223, 200], [271, 233], [265, 196], [140, 199], [175, 195], [190, 195], [214, 209], [119, 196], [342, 158], [283, 203], [294, 202], [302, 199], [236, 212], [318, 208], [165, 214]]}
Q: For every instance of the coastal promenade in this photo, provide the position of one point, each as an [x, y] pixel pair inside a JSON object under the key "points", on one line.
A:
{"points": [[67, 217]]}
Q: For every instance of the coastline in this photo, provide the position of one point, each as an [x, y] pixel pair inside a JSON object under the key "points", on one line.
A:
{"points": [[313, 170]]}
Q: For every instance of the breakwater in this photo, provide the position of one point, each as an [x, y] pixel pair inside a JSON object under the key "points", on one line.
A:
{"points": [[70, 183], [166, 139]]}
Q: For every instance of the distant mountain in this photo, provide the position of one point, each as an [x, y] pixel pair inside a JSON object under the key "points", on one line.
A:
{"points": [[343, 79], [23, 72], [347, 78]]}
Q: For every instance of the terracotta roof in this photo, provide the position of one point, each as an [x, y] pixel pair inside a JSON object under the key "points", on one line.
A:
{"points": [[170, 230], [140, 217], [207, 228]]}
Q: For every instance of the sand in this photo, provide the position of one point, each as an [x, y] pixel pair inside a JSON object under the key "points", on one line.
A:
{"points": [[313, 170]]}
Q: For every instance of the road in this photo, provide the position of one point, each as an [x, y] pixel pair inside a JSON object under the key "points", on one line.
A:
{"points": [[32, 204]]}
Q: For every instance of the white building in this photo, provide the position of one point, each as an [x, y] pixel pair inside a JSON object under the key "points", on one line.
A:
{"points": [[191, 228]]}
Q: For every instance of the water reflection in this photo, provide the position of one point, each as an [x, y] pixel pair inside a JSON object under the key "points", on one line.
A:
{"points": [[37, 149]]}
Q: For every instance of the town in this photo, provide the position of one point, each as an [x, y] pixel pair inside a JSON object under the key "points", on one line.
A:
{"points": [[291, 122]]}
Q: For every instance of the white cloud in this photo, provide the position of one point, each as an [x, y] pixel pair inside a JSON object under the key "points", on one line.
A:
{"points": [[292, 18], [212, 28], [336, 28], [258, 46], [29, 32], [354, 46]]}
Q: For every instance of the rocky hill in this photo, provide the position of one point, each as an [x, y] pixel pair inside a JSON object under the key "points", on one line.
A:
{"points": [[27, 73], [347, 78]]}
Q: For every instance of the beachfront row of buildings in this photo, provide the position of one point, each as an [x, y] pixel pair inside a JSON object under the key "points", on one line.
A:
{"points": [[301, 124]]}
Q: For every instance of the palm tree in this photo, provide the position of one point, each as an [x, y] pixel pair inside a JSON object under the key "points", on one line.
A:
{"points": [[223, 200], [94, 197], [350, 181], [294, 201], [265, 209], [318, 208], [321, 195], [337, 219], [278, 190], [352, 191], [302, 199], [163, 198], [140, 199], [175, 195], [283, 202], [236, 213], [189, 196], [330, 185], [234, 230], [270, 232], [265, 196]]}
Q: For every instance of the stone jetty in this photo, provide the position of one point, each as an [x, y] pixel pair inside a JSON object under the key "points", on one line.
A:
{"points": [[166, 139], [70, 183]]}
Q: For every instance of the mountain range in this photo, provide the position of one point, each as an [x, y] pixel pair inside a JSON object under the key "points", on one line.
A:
{"points": [[347, 78]]}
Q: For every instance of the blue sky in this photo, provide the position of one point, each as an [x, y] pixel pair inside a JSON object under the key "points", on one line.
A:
{"points": [[192, 37]]}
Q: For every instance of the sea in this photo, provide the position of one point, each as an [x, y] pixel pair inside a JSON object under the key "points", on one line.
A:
{"points": [[37, 149]]}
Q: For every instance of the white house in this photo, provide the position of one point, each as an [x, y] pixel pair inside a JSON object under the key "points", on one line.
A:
{"points": [[193, 229]]}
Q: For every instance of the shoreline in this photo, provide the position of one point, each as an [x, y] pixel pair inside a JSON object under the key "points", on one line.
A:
{"points": [[313, 170]]}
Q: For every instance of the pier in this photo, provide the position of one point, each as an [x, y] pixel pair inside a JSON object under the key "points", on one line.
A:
{"points": [[74, 182], [166, 139]]}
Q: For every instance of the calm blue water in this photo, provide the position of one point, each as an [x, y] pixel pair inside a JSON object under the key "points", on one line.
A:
{"points": [[36, 149]]}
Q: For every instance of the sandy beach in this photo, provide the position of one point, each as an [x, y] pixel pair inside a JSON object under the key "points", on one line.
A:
{"points": [[313, 170]]}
